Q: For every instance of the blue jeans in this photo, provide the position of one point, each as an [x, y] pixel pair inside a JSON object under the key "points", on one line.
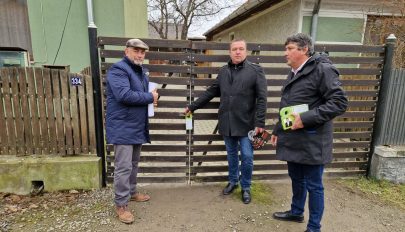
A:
{"points": [[307, 178], [233, 145]]}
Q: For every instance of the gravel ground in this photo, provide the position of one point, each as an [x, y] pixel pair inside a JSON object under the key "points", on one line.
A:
{"points": [[194, 208]]}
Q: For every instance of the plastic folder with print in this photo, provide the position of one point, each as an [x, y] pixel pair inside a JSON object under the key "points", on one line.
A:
{"points": [[287, 119]]}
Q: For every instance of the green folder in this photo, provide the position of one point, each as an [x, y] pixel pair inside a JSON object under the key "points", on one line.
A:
{"points": [[287, 119]]}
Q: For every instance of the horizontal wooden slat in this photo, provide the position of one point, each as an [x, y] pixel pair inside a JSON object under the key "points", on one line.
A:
{"points": [[170, 80], [348, 114], [203, 45], [352, 135], [150, 55], [151, 179], [166, 68], [172, 104], [169, 115], [281, 59], [281, 82], [165, 148], [168, 137], [174, 92], [349, 48], [214, 70], [358, 144], [167, 126], [161, 158], [156, 43], [353, 124], [353, 154]]}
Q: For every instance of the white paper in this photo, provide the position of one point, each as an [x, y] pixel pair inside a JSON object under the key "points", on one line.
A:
{"points": [[189, 122], [151, 110], [300, 108]]}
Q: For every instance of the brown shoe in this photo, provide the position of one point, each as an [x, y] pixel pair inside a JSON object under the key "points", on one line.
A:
{"points": [[124, 215], [140, 197]]}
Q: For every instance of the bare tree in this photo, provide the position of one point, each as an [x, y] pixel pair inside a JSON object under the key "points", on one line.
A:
{"points": [[179, 15], [380, 26]]}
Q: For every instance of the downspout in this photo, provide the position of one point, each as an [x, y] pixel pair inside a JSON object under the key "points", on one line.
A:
{"points": [[90, 14], [95, 74], [314, 23]]}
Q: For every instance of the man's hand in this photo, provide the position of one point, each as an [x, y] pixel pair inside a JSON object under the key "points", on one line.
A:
{"points": [[155, 97], [258, 130], [297, 122], [187, 111], [273, 140]]}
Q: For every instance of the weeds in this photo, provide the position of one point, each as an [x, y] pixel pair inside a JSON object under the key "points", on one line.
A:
{"points": [[384, 190]]}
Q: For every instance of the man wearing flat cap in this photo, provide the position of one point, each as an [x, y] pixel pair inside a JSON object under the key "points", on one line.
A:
{"points": [[127, 125]]}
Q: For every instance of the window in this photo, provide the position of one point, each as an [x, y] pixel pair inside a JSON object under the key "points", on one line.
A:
{"points": [[231, 36]]}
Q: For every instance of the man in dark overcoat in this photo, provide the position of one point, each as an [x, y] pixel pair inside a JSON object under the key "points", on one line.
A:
{"points": [[242, 88], [307, 146]]}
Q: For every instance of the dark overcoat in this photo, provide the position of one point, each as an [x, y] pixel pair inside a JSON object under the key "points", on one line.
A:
{"points": [[127, 104], [316, 84], [242, 90]]}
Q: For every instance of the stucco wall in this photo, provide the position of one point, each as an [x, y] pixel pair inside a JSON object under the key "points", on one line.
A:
{"points": [[47, 20], [270, 27]]}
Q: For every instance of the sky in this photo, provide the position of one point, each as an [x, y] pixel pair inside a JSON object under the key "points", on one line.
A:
{"points": [[199, 28]]}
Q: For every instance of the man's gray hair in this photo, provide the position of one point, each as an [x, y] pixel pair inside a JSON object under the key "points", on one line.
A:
{"points": [[302, 40]]}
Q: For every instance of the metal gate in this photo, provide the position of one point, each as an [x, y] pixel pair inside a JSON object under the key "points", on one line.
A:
{"points": [[185, 68]]}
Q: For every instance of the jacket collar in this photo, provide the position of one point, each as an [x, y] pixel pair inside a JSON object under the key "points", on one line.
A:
{"points": [[237, 66], [305, 70], [135, 67]]}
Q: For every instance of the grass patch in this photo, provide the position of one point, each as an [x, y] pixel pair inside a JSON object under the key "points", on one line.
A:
{"points": [[261, 193], [384, 190]]}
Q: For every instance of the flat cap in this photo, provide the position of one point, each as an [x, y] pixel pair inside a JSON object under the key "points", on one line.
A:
{"points": [[137, 43]]}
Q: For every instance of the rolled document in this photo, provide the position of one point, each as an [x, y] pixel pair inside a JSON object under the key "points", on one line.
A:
{"points": [[151, 110]]}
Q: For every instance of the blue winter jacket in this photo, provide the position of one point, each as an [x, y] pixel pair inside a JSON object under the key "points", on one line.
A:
{"points": [[127, 104]]}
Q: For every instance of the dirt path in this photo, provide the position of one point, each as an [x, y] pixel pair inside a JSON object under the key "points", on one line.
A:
{"points": [[203, 208]]}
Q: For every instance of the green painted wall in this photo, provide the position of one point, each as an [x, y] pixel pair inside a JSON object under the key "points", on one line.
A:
{"points": [[47, 19], [336, 29], [136, 22]]}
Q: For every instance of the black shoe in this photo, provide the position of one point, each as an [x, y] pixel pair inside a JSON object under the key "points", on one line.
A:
{"points": [[287, 216], [229, 188], [309, 230], [246, 198]]}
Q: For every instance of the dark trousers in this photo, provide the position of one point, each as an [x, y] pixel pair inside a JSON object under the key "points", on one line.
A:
{"points": [[307, 178]]}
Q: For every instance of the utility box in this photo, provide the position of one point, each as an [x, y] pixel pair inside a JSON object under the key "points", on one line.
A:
{"points": [[13, 57], [388, 163]]}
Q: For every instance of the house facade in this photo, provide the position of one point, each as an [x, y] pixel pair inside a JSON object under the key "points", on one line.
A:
{"points": [[272, 21], [58, 29]]}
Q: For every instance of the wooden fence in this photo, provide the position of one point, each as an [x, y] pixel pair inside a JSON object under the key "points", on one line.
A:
{"points": [[41, 112], [185, 68]]}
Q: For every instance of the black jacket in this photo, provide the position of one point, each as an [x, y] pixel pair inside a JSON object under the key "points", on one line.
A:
{"points": [[242, 90], [316, 84]]}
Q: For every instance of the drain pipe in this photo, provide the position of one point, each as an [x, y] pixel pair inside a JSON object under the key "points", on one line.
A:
{"points": [[95, 74], [314, 23]]}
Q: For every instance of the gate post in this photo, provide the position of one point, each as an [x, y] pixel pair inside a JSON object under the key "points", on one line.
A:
{"points": [[382, 108], [95, 76]]}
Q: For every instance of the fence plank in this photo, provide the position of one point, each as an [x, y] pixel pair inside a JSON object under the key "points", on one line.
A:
{"points": [[48, 81], [3, 118], [18, 120], [83, 120], [25, 112], [32, 101], [90, 113], [56, 81], [65, 81], [75, 117], [42, 114], [9, 112]]}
